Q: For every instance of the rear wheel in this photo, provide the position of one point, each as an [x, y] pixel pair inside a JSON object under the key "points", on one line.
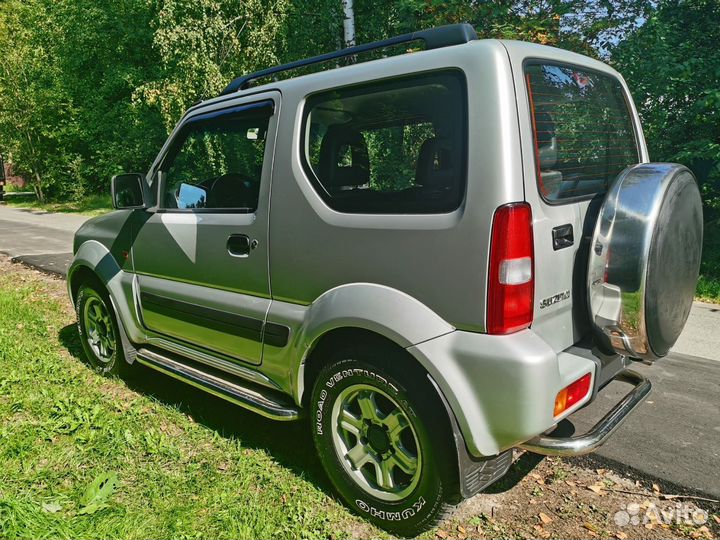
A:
{"points": [[373, 436], [99, 334]]}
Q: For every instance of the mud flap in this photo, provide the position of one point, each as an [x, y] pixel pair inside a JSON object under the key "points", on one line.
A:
{"points": [[474, 474]]}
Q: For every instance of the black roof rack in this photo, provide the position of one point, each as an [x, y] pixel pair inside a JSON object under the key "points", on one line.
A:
{"points": [[434, 38]]}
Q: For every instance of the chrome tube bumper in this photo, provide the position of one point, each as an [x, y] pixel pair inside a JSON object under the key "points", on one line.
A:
{"points": [[598, 434]]}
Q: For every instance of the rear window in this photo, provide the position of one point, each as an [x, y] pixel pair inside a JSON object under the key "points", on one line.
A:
{"points": [[393, 147], [583, 130]]}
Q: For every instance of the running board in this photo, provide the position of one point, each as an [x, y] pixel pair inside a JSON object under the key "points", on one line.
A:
{"points": [[238, 392]]}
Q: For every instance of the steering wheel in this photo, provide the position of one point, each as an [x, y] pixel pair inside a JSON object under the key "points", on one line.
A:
{"points": [[232, 190]]}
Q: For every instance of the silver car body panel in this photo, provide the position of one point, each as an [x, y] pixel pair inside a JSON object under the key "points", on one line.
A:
{"points": [[184, 264], [315, 248], [418, 280]]}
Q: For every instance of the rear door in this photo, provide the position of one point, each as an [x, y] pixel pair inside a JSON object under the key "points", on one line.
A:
{"points": [[202, 256], [581, 133]]}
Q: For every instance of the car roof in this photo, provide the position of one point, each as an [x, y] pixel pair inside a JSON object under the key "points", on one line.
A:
{"points": [[518, 51]]}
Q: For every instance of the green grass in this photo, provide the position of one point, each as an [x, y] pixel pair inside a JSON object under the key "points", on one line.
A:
{"points": [[93, 205], [88, 457], [13, 188], [708, 287]]}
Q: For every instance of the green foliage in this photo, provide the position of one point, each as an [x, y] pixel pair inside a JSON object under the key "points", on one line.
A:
{"points": [[672, 65], [673, 68], [97, 493], [204, 44], [90, 88], [581, 25], [709, 284], [92, 205], [36, 116], [68, 70], [393, 153]]}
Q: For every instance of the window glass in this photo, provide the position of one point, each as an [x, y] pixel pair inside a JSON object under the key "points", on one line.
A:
{"points": [[396, 146], [217, 160], [583, 130]]}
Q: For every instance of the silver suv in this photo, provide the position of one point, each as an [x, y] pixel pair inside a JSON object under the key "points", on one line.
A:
{"points": [[434, 258]]}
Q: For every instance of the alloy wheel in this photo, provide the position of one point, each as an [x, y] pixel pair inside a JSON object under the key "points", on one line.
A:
{"points": [[376, 442], [99, 329]]}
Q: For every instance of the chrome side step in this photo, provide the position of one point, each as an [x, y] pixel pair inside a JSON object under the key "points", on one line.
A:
{"points": [[238, 392], [213, 361]]}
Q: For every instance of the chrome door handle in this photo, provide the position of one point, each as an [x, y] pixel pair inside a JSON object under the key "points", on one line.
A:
{"points": [[239, 245]]}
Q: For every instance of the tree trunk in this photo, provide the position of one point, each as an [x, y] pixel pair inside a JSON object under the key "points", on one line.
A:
{"points": [[349, 23], [38, 188]]}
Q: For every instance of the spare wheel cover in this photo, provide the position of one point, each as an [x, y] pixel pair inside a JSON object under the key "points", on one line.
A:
{"points": [[645, 259]]}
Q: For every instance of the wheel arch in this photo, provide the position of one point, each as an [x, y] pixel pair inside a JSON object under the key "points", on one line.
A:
{"points": [[94, 263], [386, 315], [83, 274], [318, 354]]}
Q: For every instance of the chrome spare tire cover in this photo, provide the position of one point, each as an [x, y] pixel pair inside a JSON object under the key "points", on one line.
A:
{"points": [[645, 259]]}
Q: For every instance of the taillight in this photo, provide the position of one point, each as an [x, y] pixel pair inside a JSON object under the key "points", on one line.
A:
{"points": [[572, 394], [511, 280]]}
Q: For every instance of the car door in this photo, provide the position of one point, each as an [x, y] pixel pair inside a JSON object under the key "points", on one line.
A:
{"points": [[581, 134], [201, 259]]}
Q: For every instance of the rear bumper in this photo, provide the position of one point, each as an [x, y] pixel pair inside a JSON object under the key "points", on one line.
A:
{"points": [[502, 389], [598, 434]]}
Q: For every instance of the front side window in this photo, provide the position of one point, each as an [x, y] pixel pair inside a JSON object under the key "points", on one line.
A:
{"points": [[583, 130], [395, 147], [217, 159]]}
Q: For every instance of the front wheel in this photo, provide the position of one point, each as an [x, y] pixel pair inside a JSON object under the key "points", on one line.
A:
{"points": [[98, 331], [373, 437]]}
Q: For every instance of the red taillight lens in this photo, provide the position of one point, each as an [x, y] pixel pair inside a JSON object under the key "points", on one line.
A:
{"points": [[511, 281], [570, 395]]}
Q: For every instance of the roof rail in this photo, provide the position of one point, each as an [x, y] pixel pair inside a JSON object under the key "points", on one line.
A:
{"points": [[434, 38]]}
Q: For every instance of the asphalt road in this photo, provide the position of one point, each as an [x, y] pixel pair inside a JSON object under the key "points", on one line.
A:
{"points": [[673, 436], [40, 239]]}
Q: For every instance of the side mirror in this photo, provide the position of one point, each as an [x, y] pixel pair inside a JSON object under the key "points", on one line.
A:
{"points": [[128, 191], [191, 196]]}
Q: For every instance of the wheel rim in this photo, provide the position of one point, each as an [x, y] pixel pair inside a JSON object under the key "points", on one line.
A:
{"points": [[99, 329], [376, 442]]}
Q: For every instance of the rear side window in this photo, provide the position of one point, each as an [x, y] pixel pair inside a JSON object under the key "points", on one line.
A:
{"points": [[583, 130], [394, 147]]}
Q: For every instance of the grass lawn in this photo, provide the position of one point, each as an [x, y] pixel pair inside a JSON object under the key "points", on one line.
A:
{"points": [[708, 287], [88, 457], [89, 206]]}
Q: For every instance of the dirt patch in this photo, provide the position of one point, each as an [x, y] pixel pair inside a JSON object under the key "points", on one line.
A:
{"points": [[555, 498]]}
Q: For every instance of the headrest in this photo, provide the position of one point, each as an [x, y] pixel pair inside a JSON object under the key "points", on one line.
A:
{"points": [[336, 143], [435, 164], [546, 139]]}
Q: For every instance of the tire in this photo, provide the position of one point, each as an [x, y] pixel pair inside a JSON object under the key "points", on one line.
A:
{"points": [[99, 333], [391, 430]]}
